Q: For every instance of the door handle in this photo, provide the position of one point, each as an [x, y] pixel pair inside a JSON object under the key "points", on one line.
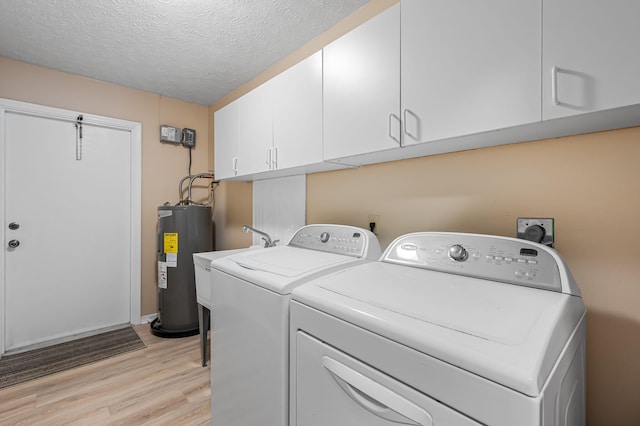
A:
{"points": [[554, 85], [274, 160], [394, 117], [14, 243], [376, 398], [407, 112]]}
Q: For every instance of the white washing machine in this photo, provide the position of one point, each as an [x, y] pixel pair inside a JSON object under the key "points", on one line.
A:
{"points": [[446, 329], [250, 318]]}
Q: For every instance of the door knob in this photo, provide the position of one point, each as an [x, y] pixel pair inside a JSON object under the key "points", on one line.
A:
{"points": [[14, 243], [13, 226]]}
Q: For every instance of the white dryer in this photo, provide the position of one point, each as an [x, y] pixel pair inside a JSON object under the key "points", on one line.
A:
{"points": [[250, 318], [446, 329]]}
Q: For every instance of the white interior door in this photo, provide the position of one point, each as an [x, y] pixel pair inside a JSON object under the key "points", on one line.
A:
{"points": [[71, 272]]}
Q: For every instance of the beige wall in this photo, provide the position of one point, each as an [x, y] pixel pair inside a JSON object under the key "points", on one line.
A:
{"points": [[163, 165], [589, 184]]}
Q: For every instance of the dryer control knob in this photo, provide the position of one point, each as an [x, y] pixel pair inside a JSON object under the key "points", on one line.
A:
{"points": [[535, 233], [458, 253]]}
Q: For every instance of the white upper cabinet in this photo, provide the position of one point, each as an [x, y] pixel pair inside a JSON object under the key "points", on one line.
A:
{"points": [[434, 76], [276, 126], [225, 140], [469, 66], [297, 120], [255, 132], [590, 59], [361, 86]]}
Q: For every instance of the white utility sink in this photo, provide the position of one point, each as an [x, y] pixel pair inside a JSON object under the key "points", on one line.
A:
{"points": [[202, 263]]}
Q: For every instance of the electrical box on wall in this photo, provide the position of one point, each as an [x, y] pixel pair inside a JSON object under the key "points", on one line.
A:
{"points": [[189, 138], [539, 230], [170, 134]]}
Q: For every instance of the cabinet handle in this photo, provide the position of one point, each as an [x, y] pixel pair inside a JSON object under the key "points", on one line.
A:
{"points": [[274, 159], [235, 166], [391, 117], [268, 158], [554, 85], [404, 127]]}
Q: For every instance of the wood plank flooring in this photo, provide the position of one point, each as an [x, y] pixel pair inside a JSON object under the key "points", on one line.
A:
{"points": [[163, 384]]}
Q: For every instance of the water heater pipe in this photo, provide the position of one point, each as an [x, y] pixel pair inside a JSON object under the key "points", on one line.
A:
{"points": [[191, 179]]}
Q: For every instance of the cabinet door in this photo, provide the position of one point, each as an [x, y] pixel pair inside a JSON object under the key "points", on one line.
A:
{"points": [[225, 141], [255, 132], [590, 58], [469, 66], [297, 122], [361, 78]]}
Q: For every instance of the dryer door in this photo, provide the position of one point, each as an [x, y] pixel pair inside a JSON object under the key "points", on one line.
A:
{"points": [[336, 389]]}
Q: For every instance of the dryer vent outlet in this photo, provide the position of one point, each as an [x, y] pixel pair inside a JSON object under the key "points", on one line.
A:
{"points": [[539, 230]]}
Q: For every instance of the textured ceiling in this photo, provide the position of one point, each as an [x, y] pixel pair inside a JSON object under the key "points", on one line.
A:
{"points": [[194, 50]]}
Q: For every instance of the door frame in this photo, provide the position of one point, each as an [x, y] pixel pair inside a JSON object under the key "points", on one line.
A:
{"points": [[135, 128]]}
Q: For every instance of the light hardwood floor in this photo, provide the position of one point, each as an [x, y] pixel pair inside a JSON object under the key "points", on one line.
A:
{"points": [[163, 384]]}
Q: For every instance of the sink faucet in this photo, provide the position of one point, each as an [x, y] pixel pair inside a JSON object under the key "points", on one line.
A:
{"points": [[265, 236]]}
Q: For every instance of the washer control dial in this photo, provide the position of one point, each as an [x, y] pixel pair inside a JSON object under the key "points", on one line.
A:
{"points": [[458, 253], [324, 237]]}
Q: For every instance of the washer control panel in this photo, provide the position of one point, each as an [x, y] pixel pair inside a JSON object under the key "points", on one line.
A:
{"points": [[487, 257], [339, 239]]}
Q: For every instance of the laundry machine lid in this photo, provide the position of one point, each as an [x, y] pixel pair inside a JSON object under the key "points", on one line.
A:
{"points": [[204, 259], [312, 251], [279, 269], [508, 334]]}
